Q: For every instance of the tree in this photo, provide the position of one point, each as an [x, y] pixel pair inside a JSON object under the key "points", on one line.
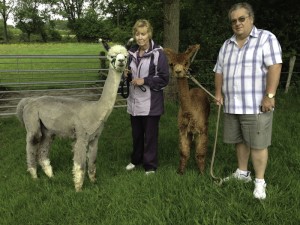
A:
{"points": [[6, 8], [171, 37], [28, 19], [283, 19], [90, 27], [70, 9], [122, 14], [171, 24]]}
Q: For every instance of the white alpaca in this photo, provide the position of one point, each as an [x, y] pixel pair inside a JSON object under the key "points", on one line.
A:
{"points": [[47, 116]]}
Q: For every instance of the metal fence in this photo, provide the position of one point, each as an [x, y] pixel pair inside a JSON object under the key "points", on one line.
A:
{"points": [[79, 76]]}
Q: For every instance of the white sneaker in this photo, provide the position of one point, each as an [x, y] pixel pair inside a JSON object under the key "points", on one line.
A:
{"points": [[130, 166], [260, 190], [149, 172], [238, 176]]}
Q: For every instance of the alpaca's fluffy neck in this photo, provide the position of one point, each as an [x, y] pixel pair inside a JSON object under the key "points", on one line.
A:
{"points": [[110, 89], [184, 96]]}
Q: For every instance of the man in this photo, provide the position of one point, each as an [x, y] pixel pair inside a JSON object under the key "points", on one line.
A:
{"points": [[247, 74]]}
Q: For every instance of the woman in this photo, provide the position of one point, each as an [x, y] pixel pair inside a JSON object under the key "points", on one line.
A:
{"points": [[145, 103]]}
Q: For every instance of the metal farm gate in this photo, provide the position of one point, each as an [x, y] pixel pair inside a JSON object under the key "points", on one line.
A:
{"points": [[78, 76]]}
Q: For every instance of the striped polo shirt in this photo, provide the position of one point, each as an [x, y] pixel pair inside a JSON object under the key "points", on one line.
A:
{"points": [[245, 69]]}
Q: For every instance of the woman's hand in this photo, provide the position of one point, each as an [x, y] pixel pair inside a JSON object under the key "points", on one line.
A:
{"points": [[137, 81]]}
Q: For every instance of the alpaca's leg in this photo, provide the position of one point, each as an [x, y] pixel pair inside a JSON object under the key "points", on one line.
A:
{"points": [[201, 142], [185, 143], [43, 153], [80, 148], [33, 138], [31, 153], [92, 156]]}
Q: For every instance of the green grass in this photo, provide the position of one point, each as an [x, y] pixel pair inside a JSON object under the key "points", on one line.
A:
{"points": [[51, 49], [55, 69], [121, 197]]}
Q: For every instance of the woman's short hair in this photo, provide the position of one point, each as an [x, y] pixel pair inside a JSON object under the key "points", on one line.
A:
{"points": [[142, 23], [243, 5]]}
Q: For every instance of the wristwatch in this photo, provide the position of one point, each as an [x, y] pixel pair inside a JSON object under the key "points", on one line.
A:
{"points": [[270, 95]]}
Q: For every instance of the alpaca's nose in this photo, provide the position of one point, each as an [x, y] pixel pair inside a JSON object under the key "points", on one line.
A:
{"points": [[121, 60], [178, 71]]}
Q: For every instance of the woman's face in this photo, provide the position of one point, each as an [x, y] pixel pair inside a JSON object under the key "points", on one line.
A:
{"points": [[142, 37]]}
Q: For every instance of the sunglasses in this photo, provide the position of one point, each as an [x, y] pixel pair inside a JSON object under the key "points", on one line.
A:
{"points": [[240, 19]]}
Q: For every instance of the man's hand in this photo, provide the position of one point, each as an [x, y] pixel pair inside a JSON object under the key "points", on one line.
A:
{"points": [[267, 104]]}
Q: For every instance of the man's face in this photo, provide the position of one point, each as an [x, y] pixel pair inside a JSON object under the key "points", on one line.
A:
{"points": [[241, 22]]}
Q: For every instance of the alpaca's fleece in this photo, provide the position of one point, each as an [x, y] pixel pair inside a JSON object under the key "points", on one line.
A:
{"points": [[193, 112], [47, 116]]}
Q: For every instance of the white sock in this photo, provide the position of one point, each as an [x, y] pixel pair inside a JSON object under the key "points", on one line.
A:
{"points": [[262, 181], [243, 172]]}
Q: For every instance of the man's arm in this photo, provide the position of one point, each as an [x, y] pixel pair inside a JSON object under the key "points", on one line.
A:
{"points": [[218, 88], [273, 77]]}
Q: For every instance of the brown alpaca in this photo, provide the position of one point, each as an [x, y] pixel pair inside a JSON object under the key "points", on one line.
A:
{"points": [[193, 112]]}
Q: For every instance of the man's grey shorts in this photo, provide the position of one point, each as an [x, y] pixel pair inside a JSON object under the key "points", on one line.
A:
{"points": [[255, 130]]}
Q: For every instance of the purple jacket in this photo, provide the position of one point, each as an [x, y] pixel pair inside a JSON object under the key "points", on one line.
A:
{"points": [[154, 68]]}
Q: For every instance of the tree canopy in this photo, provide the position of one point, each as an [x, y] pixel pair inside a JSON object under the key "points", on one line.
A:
{"points": [[200, 21]]}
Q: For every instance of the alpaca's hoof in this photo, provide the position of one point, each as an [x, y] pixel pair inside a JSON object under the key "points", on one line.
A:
{"points": [[78, 189], [201, 170], [48, 171], [93, 179], [50, 175], [92, 175], [47, 168], [32, 172], [78, 177]]}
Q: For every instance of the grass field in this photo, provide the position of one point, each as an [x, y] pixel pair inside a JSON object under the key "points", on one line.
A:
{"points": [[121, 197], [24, 68], [74, 62], [51, 49]]}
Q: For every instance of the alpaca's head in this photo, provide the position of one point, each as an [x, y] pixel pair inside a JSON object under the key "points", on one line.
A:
{"points": [[117, 56], [180, 62]]}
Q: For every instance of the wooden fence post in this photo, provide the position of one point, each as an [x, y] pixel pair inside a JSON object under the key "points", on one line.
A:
{"points": [[102, 61], [102, 65], [291, 69]]}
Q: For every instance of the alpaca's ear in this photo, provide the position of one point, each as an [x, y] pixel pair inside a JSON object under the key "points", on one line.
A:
{"points": [[192, 49], [104, 43], [170, 55], [129, 43]]}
